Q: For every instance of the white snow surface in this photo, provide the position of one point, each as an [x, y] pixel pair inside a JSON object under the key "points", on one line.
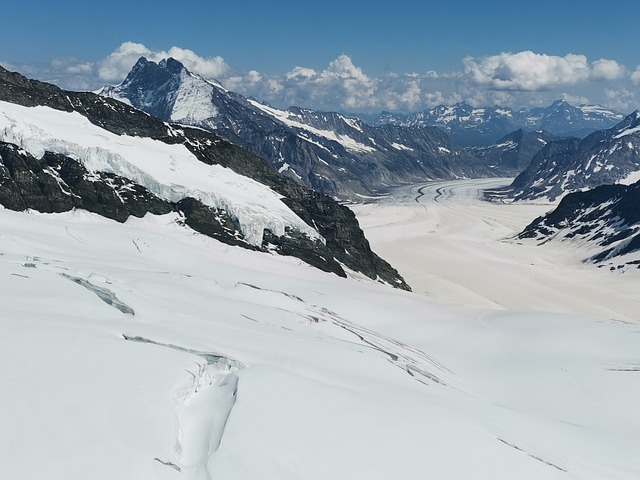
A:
{"points": [[193, 100], [169, 171], [628, 131], [229, 364], [633, 177], [400, 146]]}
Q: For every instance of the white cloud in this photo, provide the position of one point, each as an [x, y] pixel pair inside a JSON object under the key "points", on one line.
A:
{"points": [[607, 70], [575, 99], [622, 99], [301, 72], [209, 67], [527, 70], [72, 66], [510, 79], [117, 65]]}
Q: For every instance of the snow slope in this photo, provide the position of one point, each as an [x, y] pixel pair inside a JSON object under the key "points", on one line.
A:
{"points": [[169, 171], [142, 350], [292, 120]]}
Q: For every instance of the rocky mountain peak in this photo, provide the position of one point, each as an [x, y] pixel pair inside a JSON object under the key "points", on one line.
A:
{"points": [[172, 65]]}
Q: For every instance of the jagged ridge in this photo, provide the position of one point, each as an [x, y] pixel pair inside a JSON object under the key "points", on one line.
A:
{"points": [[481, 126]]}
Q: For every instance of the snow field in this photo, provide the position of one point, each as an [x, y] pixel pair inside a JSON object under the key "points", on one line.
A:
{"points": [[239, 365]]}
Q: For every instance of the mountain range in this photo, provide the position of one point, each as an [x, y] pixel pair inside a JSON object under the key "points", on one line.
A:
{"points": [[604, 157], [329, 152], [64, 150], [162, 318], [480, 126]]}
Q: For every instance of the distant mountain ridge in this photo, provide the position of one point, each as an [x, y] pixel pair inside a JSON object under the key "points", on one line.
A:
{"points": [[478, 126], [326, 151]]}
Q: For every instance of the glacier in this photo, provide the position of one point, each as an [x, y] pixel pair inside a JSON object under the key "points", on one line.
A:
{"points": [[240, 365]]}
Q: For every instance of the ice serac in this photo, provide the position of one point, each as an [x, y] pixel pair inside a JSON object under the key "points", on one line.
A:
{"points": [[604, 223], [482, 126], [64, 150], [604, 157], [326, 151]]}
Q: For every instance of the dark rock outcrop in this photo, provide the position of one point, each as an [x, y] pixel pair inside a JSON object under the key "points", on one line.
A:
{"points": [[605, 219], [56, 183]]}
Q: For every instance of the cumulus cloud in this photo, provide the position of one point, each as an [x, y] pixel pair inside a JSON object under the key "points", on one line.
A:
{"points": [[72, 66], [341, 82], [622, 99], [607, 70], [527, 70], [510, 79], [575, 99]]}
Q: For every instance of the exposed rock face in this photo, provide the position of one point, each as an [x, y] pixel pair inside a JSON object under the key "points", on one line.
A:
{"points": [[340, 228], [212, 222], [328, 152], [56, 183], [604, 221]]}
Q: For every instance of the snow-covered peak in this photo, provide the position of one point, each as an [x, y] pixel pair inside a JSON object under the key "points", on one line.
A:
{"points": [[168, 90], [600, 111]]}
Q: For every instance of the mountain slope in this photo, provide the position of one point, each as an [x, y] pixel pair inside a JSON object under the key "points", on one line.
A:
{"points": [[328, 152], [471, 126], [513, 153], [604, 157], [605, 222], [100, 148]]}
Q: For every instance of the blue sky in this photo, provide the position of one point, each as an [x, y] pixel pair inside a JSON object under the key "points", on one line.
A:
{"points": [[359, 56]]}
